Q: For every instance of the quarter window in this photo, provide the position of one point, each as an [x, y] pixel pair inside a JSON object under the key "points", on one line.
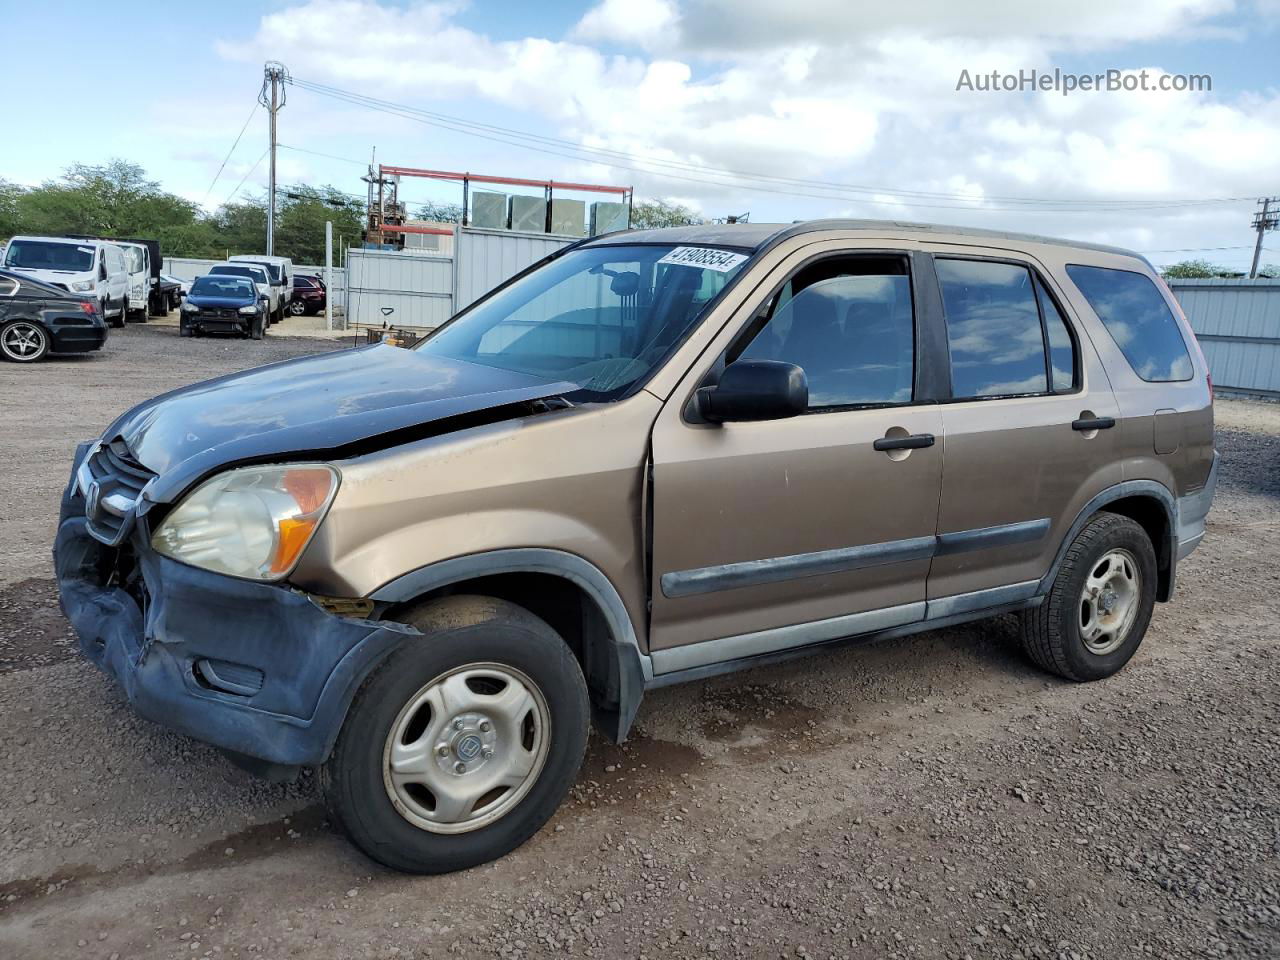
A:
{"points": [[1062, 357], [1138, 319], [848, 323]]}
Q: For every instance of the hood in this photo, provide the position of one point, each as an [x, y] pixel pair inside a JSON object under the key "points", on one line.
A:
{"points": [[309, 406], [207, 300], [54, 276]]}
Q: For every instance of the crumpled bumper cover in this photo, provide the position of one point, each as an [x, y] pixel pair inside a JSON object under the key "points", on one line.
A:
{"points": [[311, 662]]}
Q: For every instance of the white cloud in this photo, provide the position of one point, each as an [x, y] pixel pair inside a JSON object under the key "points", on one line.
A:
{"points": [[640, 23], [826, 90]]}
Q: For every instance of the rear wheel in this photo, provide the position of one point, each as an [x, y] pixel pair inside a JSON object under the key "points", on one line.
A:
{"points": [[462, 745], [1098, 609], [297, 308], [23, 341]]}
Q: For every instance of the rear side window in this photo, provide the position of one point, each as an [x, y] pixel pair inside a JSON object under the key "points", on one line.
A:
{"points": [[848, 323], [993, 329], [1138, 319]]}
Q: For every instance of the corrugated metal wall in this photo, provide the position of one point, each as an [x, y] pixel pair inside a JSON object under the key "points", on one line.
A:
{"points": [[399, 288], [487, 257], [1238, 325]]}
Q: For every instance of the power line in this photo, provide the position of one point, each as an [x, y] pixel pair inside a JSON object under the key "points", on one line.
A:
{"points": [[214, 183], [830, 190], [246, 177]]}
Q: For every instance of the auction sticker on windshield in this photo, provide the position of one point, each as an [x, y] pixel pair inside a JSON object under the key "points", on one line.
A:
{"points": [[721, 261]]}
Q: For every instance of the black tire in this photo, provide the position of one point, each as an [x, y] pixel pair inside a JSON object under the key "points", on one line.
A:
{"points": [[23, 341], [123, 316], [1052, 633], [255, 328], [457, 631], [183, 329]]}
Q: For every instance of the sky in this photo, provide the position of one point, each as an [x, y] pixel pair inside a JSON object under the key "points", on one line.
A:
{"points": [[783, 111]]}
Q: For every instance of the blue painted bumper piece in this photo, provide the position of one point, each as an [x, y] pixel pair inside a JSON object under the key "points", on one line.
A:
{"points": [[151, 637]]}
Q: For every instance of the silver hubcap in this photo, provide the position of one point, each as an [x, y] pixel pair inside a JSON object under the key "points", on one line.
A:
{"points": [[22, 341], [297, 308], [1109, 604], [466, 748]]}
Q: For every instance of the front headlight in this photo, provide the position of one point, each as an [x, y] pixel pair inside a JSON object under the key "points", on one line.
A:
{"points": [[248, 311], [251, 522], [189, 307], [80, 286]]}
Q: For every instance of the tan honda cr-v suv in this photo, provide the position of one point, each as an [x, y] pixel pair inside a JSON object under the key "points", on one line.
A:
{"points": [[652, 457]]}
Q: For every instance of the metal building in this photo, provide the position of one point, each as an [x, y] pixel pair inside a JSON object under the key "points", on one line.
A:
{"points": [[1238, 325]]}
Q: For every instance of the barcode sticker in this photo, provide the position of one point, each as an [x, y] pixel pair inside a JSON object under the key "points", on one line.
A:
{"points": [[721, 261]]}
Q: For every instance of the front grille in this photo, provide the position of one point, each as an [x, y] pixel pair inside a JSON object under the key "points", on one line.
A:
{"points": [[220, 314], [111, 487]]}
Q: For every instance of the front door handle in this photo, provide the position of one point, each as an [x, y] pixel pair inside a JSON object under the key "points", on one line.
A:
{"points": [[913, 442], [1094, 423]]}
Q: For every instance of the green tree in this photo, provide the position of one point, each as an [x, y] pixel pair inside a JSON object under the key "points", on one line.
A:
{"points": [[301, 218], [648, 214], [441, 212], [1194, 270], [10, 217]]}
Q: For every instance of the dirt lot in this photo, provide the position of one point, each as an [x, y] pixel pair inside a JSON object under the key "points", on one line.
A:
{"points": [[930, 797]]}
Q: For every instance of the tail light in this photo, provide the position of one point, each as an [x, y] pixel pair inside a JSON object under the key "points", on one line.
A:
{"points": [[89, 307]]}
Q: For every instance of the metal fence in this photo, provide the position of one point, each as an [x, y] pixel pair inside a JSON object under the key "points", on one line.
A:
{"points": [[415, 289], [1238, 325]]}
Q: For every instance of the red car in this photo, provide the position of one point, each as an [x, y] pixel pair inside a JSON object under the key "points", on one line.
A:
{"points": [[309, 297]]}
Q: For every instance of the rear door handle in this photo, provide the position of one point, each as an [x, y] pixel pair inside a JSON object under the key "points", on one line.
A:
{"points": [[1094, 423], [913, 442]]}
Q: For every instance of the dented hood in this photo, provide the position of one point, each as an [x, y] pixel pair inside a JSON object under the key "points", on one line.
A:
{"points": [[310, 406]]}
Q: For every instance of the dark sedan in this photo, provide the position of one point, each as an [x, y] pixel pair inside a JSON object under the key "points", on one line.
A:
{"points": [[223, 304], [37, 319], [309, 296]]}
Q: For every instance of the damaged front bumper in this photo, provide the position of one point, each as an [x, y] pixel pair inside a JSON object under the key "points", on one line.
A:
{"points": [[257, 669]]}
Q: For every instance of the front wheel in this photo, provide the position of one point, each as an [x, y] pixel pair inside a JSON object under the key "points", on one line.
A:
{"points": [[255, 328], [1098, 609], [464, 742]]}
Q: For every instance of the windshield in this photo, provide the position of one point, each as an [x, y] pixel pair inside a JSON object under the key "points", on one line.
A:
{"points": [[272, 270], [223, 286], [601, 317], [136, 257], [48, 255]]}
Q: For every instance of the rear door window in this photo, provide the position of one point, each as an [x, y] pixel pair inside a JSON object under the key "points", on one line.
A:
{"points": [[1138, 319], [993, 329]]}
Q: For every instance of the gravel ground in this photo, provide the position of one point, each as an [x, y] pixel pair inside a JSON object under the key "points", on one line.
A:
{"points": [[929, 797]]}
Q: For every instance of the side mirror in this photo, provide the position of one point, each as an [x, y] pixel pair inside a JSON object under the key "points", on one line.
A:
{"points": [[755, 390]]}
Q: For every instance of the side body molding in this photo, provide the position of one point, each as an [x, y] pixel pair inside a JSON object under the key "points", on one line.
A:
{"points": [[629, 667]]}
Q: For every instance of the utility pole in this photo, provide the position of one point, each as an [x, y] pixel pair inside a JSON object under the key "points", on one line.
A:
{"points": [[272, 96], [1265, 219]]}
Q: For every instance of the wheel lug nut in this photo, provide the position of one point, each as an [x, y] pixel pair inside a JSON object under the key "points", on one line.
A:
{"points": [[443, 750], [486, 753], [459, 767], [457, 724], [485, 726]]}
